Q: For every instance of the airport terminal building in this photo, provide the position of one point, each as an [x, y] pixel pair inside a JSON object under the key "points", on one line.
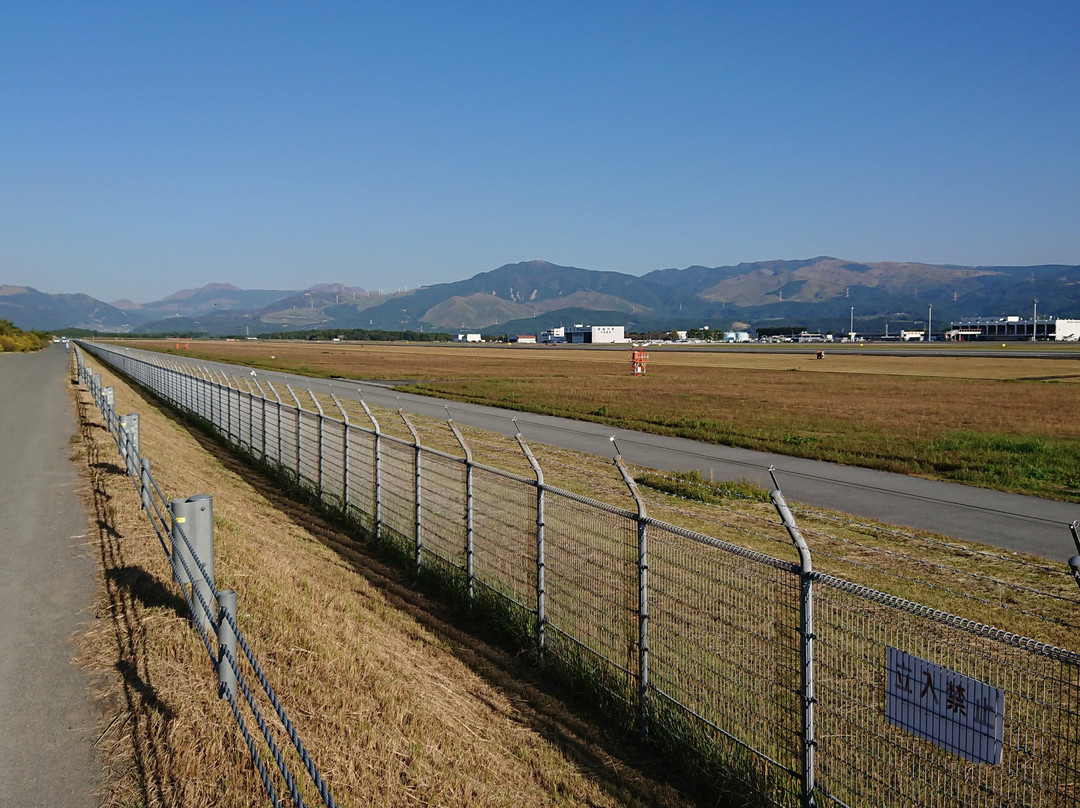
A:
{"points": [[595, 334], [1014, 328]]}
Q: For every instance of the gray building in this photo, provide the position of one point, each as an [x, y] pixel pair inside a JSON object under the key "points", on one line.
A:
{"points": [[1014, 328]]}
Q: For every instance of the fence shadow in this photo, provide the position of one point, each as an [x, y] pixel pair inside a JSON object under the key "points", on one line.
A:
{"points": [[140, 725], [615, 759], [148, 590]]}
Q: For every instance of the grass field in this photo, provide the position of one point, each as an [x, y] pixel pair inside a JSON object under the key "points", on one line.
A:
{"points": [[1007, 422]]}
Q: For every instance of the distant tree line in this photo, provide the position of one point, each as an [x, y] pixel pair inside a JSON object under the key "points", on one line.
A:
{"points": [[15, 340], [363, 335], [781, 331]]}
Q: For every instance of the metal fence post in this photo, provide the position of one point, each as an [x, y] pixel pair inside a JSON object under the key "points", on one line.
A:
{"points": [[469, 574], [262, 416], [251, 414], [239, 413], [226, 391], [277, 398], [643, 594], [226, 634], [806, 649], [299, 476], [319, 446], [541, 609], [208, 395], [418, 493], [378, 469], [1074, 561], [344, 456]]}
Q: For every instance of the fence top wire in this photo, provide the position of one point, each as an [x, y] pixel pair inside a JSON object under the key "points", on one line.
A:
{"points": [[1048, 650], [1022, 593]]}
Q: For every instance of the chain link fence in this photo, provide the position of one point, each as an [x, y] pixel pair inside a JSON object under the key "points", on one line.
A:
{"points": [[839, 674]]}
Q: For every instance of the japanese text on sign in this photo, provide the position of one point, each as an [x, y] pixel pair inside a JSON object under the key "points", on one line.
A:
{"points": [[953, 711]]}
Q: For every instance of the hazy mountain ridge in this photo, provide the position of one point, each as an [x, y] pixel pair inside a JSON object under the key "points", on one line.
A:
{"points": [[823, 293]]}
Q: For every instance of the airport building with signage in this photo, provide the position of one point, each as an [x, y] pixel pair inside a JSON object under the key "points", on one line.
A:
{"points": [[596, 334], [1014, 328]]}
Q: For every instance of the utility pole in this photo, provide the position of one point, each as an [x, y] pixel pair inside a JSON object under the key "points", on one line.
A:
{"points": [[1034, 317]]}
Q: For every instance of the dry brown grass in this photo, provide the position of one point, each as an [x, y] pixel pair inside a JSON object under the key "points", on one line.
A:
{"points": [[1004, 422], [397, 704]]}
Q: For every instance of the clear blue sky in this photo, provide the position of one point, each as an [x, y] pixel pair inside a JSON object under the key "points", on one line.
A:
{"points": [[149, 147]]}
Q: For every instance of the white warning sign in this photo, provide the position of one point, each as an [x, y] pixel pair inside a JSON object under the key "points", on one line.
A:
{"points": [[944, 707]]}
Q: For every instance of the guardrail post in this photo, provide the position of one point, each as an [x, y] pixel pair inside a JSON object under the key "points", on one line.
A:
{"points": [[643, 594], [806, 649], [194, 517], [541, 609], [108, 406], [469, 573], [130, 425], [418, 490], [226, 601]]}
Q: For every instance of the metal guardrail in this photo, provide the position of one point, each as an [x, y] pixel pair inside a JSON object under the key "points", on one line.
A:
{"points": [[796, 685], [184, 528]]}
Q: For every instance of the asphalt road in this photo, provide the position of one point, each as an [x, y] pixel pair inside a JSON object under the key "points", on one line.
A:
{"points": [[1009, 521], [46, 585]]}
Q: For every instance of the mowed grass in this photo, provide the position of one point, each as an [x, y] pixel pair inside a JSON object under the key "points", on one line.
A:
{"points": [[1007, 422]]}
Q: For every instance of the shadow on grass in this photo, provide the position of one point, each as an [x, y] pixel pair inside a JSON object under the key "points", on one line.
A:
{"points": [[129, 592], [147, 589], [562, 709]]}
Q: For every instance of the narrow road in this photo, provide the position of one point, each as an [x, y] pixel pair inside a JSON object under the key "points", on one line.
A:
{"points": [[46, 587]]}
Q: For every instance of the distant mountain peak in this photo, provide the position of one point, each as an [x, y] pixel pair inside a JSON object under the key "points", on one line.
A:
{"points": [[337, 288], [210, 288]]}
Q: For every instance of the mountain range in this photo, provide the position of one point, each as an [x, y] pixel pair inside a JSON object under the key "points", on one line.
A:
{"points": [[821, 294]]}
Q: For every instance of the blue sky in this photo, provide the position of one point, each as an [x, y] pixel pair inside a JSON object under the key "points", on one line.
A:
{"points": [[150, 147]]}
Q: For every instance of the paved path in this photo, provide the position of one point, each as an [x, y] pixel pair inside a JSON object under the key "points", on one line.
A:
{"points": [[47, 715]]}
